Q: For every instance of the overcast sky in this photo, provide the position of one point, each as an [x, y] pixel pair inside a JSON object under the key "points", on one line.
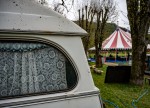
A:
{"points": [[121, 8], [122, 14]]}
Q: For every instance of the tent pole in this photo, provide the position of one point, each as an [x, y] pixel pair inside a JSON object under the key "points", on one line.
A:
{"points": [[126, 55], [105, 56], [116, 56]]}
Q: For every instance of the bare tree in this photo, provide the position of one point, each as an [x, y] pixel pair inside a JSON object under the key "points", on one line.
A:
{"points": [[96, 13], [86, 17], [139, 19], [60, 6], [104, 11]]}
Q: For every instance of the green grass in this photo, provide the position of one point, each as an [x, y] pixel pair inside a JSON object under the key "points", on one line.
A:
{"points": [[120, 54], [121, 94]]}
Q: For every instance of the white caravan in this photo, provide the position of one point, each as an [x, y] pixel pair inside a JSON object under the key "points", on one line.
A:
{"points": [[42, 60]]}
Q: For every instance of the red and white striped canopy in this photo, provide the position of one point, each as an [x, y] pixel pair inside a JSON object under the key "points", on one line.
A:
{"points": [[119, 40]]}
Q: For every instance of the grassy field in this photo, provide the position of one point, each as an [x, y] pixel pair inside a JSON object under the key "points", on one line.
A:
{"points": [[122, 95]]}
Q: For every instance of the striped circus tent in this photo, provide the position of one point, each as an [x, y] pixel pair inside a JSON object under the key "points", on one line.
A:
{"points": [[118, 40]]}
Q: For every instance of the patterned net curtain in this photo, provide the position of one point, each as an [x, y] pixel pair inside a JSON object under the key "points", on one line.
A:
{"points": [[27, 68]]}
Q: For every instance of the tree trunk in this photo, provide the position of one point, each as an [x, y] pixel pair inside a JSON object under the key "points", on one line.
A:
{"points": [[97, 56], [98, 59], [138, 61], [85, 24], [138, 14], [97, 47], [79, 17]]}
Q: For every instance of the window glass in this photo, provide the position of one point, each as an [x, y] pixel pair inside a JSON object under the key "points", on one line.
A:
{"points": [[33, 68]]}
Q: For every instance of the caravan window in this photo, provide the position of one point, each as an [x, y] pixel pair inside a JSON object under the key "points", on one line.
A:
{"points": [[29, 68]]}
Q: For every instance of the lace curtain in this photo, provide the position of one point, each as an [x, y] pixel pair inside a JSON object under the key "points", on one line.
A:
{"points": [[27, 68]]}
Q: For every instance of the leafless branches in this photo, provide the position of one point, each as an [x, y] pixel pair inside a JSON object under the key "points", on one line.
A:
{"points": [[93, 17]]}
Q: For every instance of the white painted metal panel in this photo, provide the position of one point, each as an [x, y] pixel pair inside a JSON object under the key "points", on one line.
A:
{"points": [[85, 87], [26, 20], [27, 15]]}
